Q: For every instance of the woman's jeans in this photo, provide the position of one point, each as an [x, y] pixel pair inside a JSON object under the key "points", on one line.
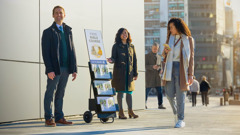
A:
{"points": [[173, 90]]}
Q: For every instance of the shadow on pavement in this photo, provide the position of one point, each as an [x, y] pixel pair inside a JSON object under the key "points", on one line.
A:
{"points": [[34, 124], [109, 131]]}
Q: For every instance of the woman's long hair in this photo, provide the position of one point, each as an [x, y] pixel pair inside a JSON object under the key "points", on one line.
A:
{"points": [[180, 25], [118, 39]]}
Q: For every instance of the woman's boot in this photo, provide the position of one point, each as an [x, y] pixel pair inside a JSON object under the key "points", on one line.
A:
{"points": [[121, 114], [131, 114]]}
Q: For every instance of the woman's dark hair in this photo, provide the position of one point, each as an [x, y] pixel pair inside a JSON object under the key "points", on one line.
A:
{"points": [[118, 39], [180, 25]]}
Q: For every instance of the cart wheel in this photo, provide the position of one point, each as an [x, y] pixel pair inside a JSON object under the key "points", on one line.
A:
{"points": [[103, 120], [112, 119], [87, 116], [106, 120]]}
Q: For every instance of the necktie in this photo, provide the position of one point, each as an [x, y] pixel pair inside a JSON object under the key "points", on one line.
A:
{"points": [[60, 28]]}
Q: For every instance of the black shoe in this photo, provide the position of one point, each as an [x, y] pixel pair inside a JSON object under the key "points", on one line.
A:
{"points": [[161, 107]]}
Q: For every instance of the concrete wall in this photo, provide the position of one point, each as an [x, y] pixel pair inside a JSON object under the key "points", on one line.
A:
{"points": [[22, 78]]}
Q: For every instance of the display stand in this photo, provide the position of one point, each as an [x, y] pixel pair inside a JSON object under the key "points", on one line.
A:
{"points": [[103, 101]]}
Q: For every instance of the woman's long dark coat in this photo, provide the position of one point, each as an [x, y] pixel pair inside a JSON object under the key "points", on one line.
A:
{"points": [[119, 70]]}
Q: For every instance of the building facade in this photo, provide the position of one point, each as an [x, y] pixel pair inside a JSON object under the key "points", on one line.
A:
{"points": [[207, 24], [152, 23]]}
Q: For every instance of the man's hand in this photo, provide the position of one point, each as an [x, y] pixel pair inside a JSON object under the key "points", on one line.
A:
{"points": [[155, 67], [51, 75], [74, 75], [135, 78]]}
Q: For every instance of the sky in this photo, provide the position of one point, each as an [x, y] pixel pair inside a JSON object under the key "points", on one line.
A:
{"points": [[236, 7]]}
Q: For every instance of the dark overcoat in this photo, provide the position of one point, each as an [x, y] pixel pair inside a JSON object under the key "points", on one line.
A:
{"points": [[51, 42], [119, 69], [152, 75]]}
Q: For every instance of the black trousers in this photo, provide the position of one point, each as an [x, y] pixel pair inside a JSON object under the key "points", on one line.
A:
{"points": [[204, 97], [194, 98]]}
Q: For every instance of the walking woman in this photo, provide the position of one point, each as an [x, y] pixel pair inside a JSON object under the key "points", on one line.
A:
{"points": [[179, 64], [124, 70], [204, 88]]}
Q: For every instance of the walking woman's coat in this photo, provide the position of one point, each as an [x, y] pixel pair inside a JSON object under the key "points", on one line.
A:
{"points": [[119, 69], [186, 61]]}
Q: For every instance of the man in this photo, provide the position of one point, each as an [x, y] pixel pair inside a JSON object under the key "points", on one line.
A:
{"points": [[60, 60], [153, 63], [194, 89]]}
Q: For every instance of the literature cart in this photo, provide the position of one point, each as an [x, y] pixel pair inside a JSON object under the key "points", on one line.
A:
{"points": [[102, 101]]}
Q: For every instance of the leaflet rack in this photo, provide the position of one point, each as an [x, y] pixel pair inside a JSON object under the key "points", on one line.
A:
{"points": [[103, 102]]}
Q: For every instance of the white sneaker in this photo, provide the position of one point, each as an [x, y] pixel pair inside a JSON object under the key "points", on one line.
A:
{"points": [[180, 124]]}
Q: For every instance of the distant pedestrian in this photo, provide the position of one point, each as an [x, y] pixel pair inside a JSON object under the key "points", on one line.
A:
{"points": [[204, 88], [231, 90], [194, 89]]}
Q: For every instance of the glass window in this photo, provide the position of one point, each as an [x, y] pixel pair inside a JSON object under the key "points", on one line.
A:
{"points": [[176, 6], [176, 14], [152, 24], [150, 41], [152, 32]]}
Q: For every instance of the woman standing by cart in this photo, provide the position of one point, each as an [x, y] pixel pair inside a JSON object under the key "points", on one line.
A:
{"points": [[125, 70], [179, 65]]}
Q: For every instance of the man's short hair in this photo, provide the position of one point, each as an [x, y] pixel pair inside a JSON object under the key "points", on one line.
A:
{"points": [[56, 8], [155, 44]]}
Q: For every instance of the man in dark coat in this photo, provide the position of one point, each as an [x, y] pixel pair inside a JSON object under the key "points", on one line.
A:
{"points": [[60, 60], [153, 64]]}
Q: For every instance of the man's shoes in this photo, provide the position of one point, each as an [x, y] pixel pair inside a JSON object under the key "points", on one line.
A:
{"points": [[50, 123], [64, 122], [180, 124], [161, 107]]}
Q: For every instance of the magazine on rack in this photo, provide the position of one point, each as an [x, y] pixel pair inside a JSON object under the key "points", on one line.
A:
{"points": [[107, 104], [103, 87], [101, 71]]}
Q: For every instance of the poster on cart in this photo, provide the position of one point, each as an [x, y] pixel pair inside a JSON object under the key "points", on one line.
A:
{"points": [[103, 87], [107, 104], [95, 46]]}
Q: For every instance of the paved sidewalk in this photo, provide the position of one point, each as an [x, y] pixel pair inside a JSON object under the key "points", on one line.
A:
{"points": [[211, 120]]}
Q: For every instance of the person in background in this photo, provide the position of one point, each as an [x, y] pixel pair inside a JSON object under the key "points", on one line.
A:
{"points": [[153, 80], [194, 89], [204, 88]]}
